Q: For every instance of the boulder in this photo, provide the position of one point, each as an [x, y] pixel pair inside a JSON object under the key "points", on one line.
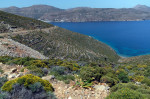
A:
{"points": [[69, 97], [101, 87], [138, 83], [19, 75], [13, 70], [49, 77], [12, 76]]}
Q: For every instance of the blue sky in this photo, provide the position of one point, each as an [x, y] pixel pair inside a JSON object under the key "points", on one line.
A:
{"points": [[76, 3]]}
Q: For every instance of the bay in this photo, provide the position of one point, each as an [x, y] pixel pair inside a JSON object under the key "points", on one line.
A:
{"points": [[127, 38]]}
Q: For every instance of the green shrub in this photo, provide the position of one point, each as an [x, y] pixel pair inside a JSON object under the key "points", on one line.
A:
{"points": [[5, 59], [35, 87], [35, 70], [123, 77], [1, 71], [20, 61], [143, 91], [65, 78], [60, 74], [110, 81], [27, 80], [126, 93], [91, 73], [124, 85], [2, 81], [146, 81], [4, 95], [58, 70], [147, 72], [22, 70]]}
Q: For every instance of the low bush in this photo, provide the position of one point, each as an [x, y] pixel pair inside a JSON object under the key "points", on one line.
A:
{"points": [[65, 78], [2, 81], [5, 59], [124, 85], [59, 70], [4, 95], [27, 80], [61, 73], [110, 81], [126, 93], [138, 78], [35, 70], [146, 81], [34, 91], [1, 71], [91, 73], [123, 77]]}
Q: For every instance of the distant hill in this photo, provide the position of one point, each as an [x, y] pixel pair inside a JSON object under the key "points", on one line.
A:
{"points": [[81, 14], [9, 21], [142, 8], [35, 11]]}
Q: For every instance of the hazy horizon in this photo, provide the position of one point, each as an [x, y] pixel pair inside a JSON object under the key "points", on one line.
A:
{"points": [[67, 8], [66, 4]]}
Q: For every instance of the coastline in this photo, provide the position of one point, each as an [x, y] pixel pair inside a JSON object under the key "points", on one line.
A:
{"points": [[108, 43], [94, 21], [115, 50]]}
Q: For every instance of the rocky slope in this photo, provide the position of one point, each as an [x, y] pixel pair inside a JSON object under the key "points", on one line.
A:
{"points": [[81, 14], [9, 47]]}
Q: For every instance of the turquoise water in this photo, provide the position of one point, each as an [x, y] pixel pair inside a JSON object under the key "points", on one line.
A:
{"points": [[128, 38]]}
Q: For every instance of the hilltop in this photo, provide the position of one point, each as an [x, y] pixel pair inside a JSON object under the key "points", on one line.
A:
{"points": [[81, 14]]}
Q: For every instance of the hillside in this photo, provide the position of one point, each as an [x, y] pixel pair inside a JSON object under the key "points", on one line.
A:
{"points": [[78, 66], [10, 22], [143, 59], [81, 14], [8, 47], [34, 11], [64, 44]]}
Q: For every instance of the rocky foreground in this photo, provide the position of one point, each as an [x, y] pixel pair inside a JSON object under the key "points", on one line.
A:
{"points": [[62, 90]]}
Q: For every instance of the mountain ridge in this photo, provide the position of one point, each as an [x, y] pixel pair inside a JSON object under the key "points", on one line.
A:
{"points": [[82, 14]]}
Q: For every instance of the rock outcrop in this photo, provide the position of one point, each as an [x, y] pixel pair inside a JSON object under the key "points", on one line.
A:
{"points": [[9, 47]]}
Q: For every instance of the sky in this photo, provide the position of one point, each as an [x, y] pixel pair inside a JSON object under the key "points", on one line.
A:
{"points": [[65, 4]]}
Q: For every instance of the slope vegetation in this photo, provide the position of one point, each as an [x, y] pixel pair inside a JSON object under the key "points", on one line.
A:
{"points": [[9, 21], [64, 44]]}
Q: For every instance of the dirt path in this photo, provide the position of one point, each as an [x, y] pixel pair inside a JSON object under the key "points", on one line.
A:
{"points": [[23, 32]]}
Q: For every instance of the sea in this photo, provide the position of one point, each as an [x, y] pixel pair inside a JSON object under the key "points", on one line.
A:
{"points": [[127, 38]]}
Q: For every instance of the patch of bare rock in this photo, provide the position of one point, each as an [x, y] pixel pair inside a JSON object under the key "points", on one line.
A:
{"points": [[12, 72], [68, 91], [9, 47]]}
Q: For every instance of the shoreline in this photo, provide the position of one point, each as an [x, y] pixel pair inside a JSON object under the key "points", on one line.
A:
{"points": [[115, 50], [93, 21], [109, 44]]}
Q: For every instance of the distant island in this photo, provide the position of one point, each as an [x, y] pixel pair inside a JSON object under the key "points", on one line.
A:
{"points": [[81, 14]]}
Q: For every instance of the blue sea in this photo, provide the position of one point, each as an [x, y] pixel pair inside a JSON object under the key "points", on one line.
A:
{"points": [[127, 38]]}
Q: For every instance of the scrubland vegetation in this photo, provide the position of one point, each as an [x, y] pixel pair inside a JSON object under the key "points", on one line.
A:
{"points": [[127, 80]]}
